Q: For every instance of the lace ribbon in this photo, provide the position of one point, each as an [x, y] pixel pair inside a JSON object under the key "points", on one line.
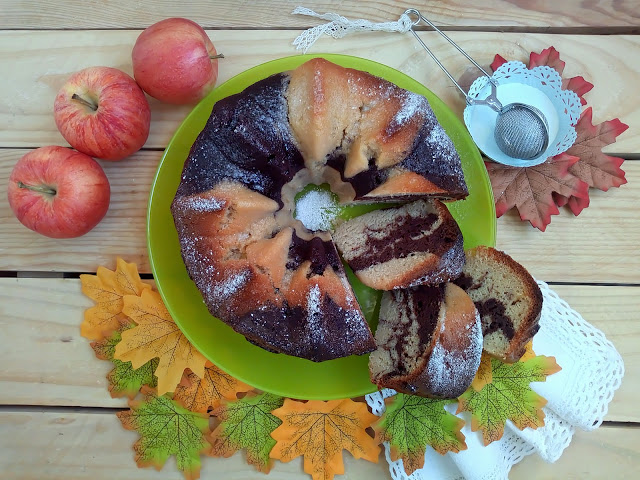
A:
{"points": [[340, 26], [578, 397]]}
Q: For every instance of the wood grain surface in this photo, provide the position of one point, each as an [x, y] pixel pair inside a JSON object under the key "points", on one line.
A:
{"points": [[489, 14], [598, 246], [49, 445], [57, 419], [72, 376], [42, 61]]}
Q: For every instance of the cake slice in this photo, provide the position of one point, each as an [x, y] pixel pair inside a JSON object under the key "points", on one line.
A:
{"points": [[508, 299], [413, 244], [429, 341]]}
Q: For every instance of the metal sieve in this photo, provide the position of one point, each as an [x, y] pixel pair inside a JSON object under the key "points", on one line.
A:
{"points": [[521, 130]]}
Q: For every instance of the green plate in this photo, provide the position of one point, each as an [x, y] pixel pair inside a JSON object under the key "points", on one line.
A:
{"points": [[282, 374]]}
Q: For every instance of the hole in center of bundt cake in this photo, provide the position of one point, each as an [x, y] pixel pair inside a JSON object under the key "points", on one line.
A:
{"points": [[317, 207]]}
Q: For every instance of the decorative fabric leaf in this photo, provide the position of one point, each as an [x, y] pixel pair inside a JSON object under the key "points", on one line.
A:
{"points": [[508, 396], [157, 335], [107, 288], [549, 57], [410, 423], [484, 374], [497, 61], [528, 352], [595, 168], [320, 431], [199, 394], [166, 429], [531, 189], [247, 423], [124, 380], [579, 85]]}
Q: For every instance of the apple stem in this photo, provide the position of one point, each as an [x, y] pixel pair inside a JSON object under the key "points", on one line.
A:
{"points": [[213, 57], [37, 188], [86, 103]]}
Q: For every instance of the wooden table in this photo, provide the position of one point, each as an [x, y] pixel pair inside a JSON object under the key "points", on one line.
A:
{"points": [[56, 417]]}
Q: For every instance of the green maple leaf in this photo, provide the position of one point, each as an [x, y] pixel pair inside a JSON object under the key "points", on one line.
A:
{"points": [[247, 423], [166, 429], [410, 423], [124, 379], [508, 396]]}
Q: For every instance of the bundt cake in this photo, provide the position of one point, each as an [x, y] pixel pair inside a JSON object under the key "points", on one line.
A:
{"points": [[258, 268], [429, 249], [429, 341], [508, 299]]}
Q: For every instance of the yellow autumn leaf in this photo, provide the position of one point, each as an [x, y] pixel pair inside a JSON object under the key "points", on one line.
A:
{"points": [[320, 431], [107, 288], [528, 353], [157, 335], [199, 394], [484, 373]]}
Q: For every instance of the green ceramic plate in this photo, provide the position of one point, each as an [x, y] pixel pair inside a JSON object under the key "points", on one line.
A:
{"points": [[282, 374]]}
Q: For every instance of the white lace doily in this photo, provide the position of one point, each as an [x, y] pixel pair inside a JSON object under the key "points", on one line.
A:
{"points": [[578, 397], [540, 87]]}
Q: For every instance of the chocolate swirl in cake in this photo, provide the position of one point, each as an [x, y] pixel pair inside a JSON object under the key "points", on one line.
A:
{"points": [[507, 297], [429, 249], [429, 341]]}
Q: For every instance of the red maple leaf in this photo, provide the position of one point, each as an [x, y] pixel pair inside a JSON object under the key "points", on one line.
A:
{"points": [[497, 61], [594, 168], [549, 57], [531, 189]]}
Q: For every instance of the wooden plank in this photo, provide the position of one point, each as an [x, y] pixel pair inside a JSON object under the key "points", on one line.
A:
{"points": [[598, 246], [614, 310], [120, 233], [52, 445], [574, 249], [41, 62], [495, 14], [47, 362], [77, 446]]}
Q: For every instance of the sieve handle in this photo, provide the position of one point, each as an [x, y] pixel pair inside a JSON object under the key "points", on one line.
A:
{"points": [[492, 100]]}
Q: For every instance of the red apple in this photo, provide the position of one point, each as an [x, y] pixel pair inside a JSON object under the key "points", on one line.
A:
{"points": [[58, 192], [175, 62], [101, 111]]}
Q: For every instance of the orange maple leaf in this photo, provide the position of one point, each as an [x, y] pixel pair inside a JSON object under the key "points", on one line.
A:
{"points": [[107, 289], [157, 335], [320, 431], [199, 394]]}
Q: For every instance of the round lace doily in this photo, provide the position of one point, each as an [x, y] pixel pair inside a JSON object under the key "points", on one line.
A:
{"points": [[540, 87], [578, 397]]}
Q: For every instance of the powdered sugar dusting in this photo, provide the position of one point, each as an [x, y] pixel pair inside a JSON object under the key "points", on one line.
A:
{"points": [[412, 103], [314, 314], [451, 371], [201, 204], [230, 285], [317, 210]]}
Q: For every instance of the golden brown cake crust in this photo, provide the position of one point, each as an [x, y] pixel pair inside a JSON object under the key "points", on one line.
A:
{"points": [[507, 297], [259, 270]]}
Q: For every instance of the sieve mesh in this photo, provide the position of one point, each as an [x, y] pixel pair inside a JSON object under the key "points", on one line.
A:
{"points": [[520, 132]]}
